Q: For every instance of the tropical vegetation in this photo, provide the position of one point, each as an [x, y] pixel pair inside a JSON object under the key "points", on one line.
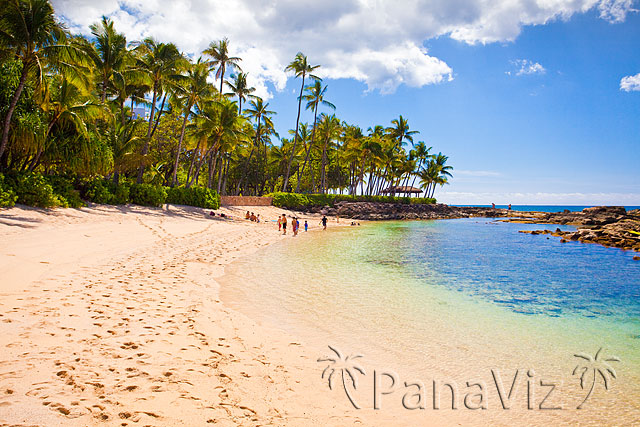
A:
{"points": [[111, 120]]}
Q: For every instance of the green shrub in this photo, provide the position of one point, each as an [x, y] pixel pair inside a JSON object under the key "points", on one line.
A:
{"points": [[7, 195], [289, 200], [194, 196], [32, 189], [147, 194], [100, 190], [294, 200], [64, 189]]}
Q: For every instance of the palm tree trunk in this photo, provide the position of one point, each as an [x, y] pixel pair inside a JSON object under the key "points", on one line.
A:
{"points": [[145, 148], [175, 163], [224, 180], [295, 138], [221, 79], [323, 173], [417, 171], [103, 96], [313, 137], [210, 172], [155, 126], [193, 159], [12, 107]]}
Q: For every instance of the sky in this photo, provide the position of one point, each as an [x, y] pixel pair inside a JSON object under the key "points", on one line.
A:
{"points": [[534, 101]]}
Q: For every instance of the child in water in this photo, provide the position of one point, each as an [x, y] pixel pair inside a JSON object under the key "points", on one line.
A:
{"points": [[306, 226]]}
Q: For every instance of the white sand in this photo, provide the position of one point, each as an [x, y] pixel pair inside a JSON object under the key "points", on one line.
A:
{"points": [[111, 316]]}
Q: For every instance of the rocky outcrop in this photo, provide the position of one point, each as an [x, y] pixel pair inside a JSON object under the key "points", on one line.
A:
{"points": [[610, 226], [396, 211]]}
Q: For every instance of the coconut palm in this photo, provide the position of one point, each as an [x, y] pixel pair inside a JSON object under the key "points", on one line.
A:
{"points": [[435, 173], [400, 131], [422, 154], [220, 124], [122, 140], [347, 368], [592, 368], [301, 68], [30, 32], [219, 52], [158, 61], [108, 55], [315, 97], [329, 128], [190, 88], [65, 102], [240, 88], [258, 111]]}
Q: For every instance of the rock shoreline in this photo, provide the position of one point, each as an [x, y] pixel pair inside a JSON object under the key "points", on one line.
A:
{"points": [[610, 226]]}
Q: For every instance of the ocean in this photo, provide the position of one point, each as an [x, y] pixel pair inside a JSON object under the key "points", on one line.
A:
{"points": [[545, 208], [457, 299]]}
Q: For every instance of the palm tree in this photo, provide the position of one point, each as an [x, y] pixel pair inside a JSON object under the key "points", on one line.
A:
{"points": [[30, 31], [220, 124], [108, 54], [65, 102], [594, 367], [158, 61], [304, 136], [122, 140], [191, 88], [301, 68], [400, 131], [258, 110], [435, 173], [219, 51], [329, 128], [346, 367], [240, 88], [422, 154], [314, 97]]}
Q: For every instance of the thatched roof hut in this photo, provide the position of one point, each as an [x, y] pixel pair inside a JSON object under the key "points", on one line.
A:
{"points": [[407, 190]]}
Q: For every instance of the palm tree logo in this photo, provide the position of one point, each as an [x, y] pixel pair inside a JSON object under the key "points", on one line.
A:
{"points": [[590, 368], [347, 368]]}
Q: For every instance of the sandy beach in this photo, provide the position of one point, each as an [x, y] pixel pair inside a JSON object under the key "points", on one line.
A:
{"points": [[111, 316]]}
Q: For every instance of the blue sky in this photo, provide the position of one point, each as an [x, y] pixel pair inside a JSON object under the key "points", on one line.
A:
{"points": [[526, 101]]}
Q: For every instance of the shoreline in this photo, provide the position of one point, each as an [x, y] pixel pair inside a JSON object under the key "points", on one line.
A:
{"points": [[104, 330], [101, 329]]}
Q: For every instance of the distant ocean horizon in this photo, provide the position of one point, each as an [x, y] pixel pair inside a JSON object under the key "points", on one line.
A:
{"points": [[544, 208]]}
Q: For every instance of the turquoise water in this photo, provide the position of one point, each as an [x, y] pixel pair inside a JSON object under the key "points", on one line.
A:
{"points": [[451, 298], [546, 208]]}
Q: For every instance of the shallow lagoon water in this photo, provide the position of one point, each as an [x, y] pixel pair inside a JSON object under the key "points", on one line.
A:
{"points": [[453, 299]]}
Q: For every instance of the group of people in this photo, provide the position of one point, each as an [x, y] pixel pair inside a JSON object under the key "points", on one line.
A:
{"points": [[295, 225], [493, 206], [283, 222], [253, 217]]}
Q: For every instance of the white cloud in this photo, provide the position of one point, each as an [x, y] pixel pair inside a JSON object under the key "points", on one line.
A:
{"points": [[630, 83], [378, 42], [615, 10], [526, 67]]}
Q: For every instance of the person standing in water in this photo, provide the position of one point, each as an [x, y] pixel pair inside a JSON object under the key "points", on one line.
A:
{"points": [[284, 224], [324, 222], [306, 226]]}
